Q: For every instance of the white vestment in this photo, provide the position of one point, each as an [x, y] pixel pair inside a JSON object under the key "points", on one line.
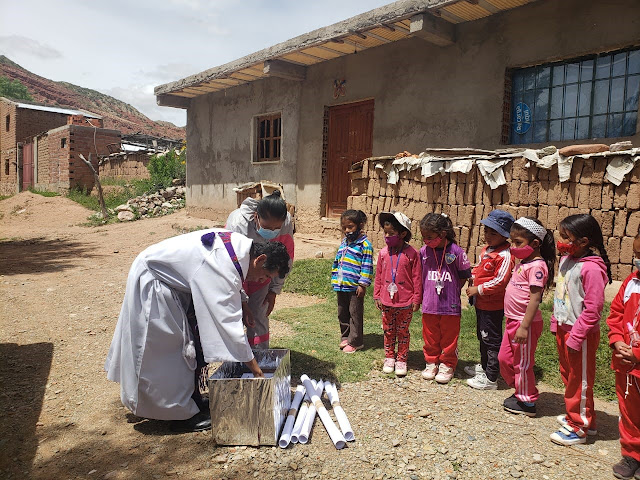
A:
{"points": [[147, 354]]}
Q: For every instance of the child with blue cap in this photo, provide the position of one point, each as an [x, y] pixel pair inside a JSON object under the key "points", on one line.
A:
{"points": [[490, 279]]}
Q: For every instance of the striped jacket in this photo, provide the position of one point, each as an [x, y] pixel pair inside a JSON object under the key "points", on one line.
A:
{"points": [[492, 275], [356, 262]]}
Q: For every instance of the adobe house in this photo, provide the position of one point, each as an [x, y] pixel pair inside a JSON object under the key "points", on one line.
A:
{"points": [[39, 146], [410, 75]]}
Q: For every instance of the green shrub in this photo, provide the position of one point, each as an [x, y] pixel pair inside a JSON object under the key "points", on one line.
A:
{"points": [[13, 89], [163, 168]]}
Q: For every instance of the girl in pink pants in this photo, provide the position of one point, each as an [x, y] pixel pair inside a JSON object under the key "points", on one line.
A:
{"points": [[533, 244]]}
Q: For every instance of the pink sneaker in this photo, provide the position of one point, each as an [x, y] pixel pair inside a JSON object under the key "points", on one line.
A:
{"points": [[343, 344], [389, 363], [401, 369], [351, 349], [445, 374]]}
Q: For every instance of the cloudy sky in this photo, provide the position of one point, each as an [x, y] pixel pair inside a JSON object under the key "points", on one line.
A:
{"points": [[126, 48]]}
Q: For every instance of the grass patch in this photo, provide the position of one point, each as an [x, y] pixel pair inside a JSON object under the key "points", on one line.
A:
{"points": [[4, 197], [112, 199], [44, 193], [314, 347]]}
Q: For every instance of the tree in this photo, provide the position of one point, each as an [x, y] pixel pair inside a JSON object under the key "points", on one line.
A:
{"points": [[13, 89]]}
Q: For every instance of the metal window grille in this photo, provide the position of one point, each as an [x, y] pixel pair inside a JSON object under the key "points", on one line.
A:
{"points": [[590, 97], [269, 137]]}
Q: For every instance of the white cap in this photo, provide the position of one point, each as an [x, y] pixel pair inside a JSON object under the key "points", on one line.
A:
{"points": [[399, 216]]}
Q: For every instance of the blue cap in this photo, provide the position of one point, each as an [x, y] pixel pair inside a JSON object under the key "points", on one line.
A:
{"points": [[500, 221]]}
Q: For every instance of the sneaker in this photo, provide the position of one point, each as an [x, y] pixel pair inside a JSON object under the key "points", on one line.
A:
{"points": [[343, 344], [562, 420], [389, 363], [473, 370], [625, 468], [430, 371], [481, 382], [351, 349], [567, 436], [401, 369], [445, 374], [513, 405]]}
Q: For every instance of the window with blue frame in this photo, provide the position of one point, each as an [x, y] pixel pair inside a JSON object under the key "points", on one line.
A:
{"points": [[591, 97]]}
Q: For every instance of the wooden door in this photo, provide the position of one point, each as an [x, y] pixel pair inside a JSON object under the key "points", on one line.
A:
{"points": [[27, 166], [350, 140]]}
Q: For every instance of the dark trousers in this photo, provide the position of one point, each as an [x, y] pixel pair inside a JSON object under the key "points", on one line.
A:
{"points": [[350, 311], [198, 379], [489, 332]]}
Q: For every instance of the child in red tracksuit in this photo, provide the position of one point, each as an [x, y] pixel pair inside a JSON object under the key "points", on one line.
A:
{"points": [[577, 308], [397, 289], [490, 279], [533, 244], [623, 324]]}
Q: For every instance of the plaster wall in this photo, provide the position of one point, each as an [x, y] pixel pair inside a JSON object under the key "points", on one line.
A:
{"points": [[425, 96]]}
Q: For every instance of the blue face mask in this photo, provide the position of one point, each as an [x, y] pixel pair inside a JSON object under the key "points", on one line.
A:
{"points": [[265, 232], [268, 234]]}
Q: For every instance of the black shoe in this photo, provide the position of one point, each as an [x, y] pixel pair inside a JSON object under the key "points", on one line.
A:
{"points": [[513, 405], [198, 423], [626, 468]]}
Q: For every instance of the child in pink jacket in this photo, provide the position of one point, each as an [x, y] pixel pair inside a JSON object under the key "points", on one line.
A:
{"points": [[397, 288], [577, 307]]}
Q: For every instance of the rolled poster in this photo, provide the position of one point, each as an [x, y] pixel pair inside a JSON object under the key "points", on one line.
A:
{"points": [[285, 438], [343, 421], [302, 414], [303, 437], [335, 435]]}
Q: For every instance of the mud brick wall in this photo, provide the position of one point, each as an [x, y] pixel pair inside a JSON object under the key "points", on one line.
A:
{"points": [[130, 166], [529, 191], [8, 173]]}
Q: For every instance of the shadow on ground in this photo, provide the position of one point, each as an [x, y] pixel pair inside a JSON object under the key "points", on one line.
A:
{"points": [[24, 371], [41, 255]]}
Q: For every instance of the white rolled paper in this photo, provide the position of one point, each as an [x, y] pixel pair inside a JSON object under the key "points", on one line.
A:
{"points": [[343, 421], [303, 437], [302, 413], [336, 437], [285, 438]]}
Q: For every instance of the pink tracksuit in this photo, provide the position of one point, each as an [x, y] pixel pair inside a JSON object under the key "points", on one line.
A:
{"points": [[517, 360]]}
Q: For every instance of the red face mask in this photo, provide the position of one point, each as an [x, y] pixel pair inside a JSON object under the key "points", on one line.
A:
{"points": [[433, 243], [566, 248]]}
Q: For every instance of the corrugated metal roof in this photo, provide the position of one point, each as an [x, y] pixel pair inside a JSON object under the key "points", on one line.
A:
{"points": [[368, 30], [64, 111]]}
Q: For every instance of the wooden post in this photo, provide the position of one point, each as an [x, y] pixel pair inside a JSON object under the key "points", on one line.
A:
{"points": [[103, 207]]}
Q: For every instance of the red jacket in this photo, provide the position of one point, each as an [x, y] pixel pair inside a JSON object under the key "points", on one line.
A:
{"points": [[492, 275], [408, 278], [624, 309]]}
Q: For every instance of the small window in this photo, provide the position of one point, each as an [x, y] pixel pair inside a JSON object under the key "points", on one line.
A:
{"points": [[7, 122], [268, 137], [63, 142], [590, 97], [6, 167]]}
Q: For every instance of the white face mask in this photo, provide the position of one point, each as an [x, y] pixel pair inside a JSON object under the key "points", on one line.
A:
{"points": [[636, 263]]}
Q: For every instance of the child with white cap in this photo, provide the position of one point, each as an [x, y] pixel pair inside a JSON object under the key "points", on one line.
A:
{"points": [[397, 288]]}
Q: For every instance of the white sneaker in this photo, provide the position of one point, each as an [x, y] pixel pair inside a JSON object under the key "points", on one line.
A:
{"points": [[473, 370], [562, 420], [445, 374], [401, 369], [481, 382], [388, 366], [430, 371]]}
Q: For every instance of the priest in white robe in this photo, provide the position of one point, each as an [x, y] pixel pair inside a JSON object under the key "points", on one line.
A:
{"points": [[153, 354]]}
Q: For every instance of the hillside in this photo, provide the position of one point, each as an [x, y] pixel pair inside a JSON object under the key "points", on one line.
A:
{"points": [[117, 114]]}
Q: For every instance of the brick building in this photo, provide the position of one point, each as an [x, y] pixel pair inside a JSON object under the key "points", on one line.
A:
{"points": [[39, 146]]}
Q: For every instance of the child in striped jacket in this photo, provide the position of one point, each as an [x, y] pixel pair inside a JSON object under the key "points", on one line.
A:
{"points": [[350, 276]]}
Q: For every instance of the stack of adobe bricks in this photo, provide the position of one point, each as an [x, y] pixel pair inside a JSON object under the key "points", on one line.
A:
{"points": [[529, 191], [125, 166]]}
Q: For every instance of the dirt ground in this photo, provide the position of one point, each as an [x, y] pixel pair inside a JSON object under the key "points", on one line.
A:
{"points": [[62, 285]]}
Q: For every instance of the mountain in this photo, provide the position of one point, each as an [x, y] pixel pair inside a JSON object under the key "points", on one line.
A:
{"points": [[116, 114]]}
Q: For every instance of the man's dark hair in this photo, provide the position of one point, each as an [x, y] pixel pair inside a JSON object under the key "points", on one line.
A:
{"points": [[277, 256]]}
